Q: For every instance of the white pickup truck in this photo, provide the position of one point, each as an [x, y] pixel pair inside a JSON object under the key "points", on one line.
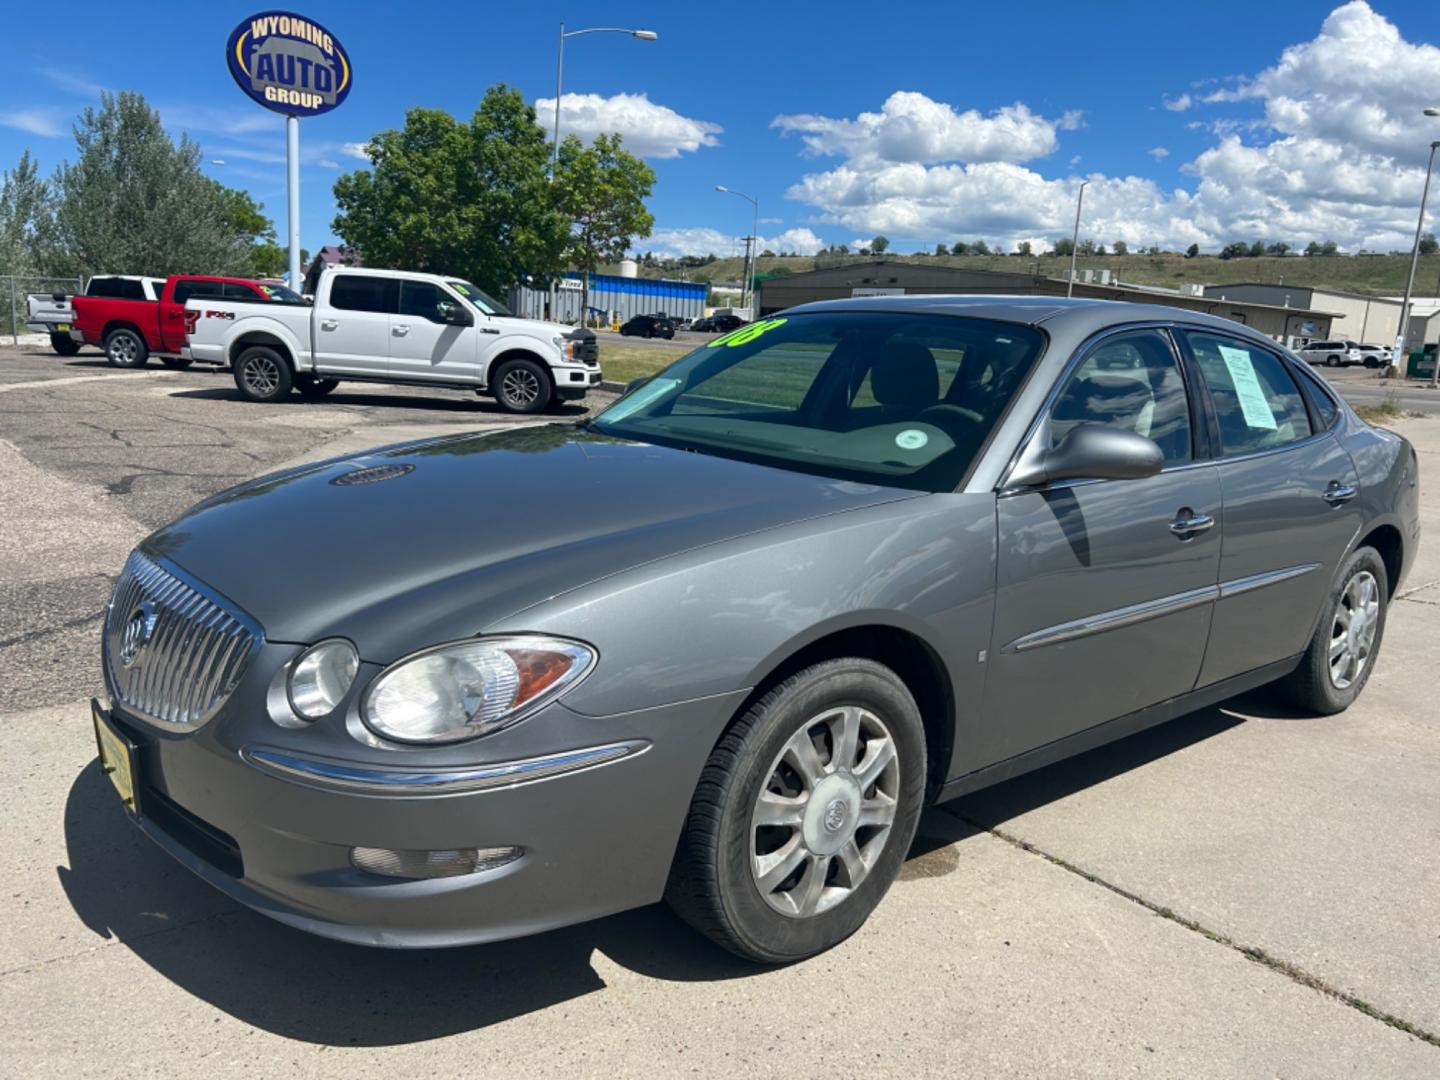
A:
{"points": [[393, 326]]}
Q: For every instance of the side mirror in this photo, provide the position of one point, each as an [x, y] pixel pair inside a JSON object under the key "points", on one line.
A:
{"points": [[453, 314], [1092, 452]]}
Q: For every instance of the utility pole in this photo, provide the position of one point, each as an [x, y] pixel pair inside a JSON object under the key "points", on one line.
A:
{"points": [[1414, 260], [1075, 239]]}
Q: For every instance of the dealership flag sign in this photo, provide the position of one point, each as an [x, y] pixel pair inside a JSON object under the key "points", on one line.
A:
{"points": [[294, 66]]}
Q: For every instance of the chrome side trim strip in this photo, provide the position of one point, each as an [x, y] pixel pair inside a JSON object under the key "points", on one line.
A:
{"points": [[1259, 581], [1113, 620], [384, 780]]}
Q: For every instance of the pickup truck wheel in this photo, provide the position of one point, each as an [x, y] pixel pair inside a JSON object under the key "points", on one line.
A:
{"points": [[176, 363], [126, 348], [262, 374], [64, 344], [309, 386], [523, 386]]}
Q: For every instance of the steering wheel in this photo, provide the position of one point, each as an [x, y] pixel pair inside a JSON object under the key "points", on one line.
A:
{"points": [[939, 414]]}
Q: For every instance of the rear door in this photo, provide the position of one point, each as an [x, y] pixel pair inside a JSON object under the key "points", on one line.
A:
{"points": [[352, 326], [423, 345], [172, 309], [1290, 510], [1104, 588]]}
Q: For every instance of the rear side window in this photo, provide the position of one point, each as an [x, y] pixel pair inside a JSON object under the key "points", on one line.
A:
{"points": [[184, 290], [1322, 405], [117, 288], [1257, 403], [351, 292]]}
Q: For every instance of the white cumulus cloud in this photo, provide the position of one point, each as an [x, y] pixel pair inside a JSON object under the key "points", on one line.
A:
{"points": [[649, 130], [1159, 153], [706, 241], [355, 150]]}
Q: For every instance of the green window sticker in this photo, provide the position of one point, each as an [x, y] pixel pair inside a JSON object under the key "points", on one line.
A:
{"points": [[1251, 395], [747, 334], [911, 439]]}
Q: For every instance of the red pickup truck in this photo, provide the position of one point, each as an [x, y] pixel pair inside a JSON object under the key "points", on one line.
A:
{"points": [[133, 318]]}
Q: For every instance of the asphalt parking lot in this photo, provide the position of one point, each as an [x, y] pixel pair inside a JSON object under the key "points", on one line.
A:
{"points": [[1243, 892]]}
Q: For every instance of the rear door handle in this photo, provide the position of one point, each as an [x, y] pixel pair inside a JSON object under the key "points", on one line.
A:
{"points": [[328, 324], [1187, 523], [1338, 493]]}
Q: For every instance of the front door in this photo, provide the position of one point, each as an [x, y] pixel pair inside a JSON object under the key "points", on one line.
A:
{"points": [[1290, 510], [423, 345], [1104, 588], [352, 326]]}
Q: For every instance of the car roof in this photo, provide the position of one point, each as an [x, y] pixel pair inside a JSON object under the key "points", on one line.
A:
{"points": [[1080, 315], [410, 275]]}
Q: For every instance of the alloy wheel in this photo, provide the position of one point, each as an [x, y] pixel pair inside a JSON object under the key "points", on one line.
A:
{"points": [[521, 387], [122, 349], [1352, 632], [262, 376], [825, 812]]}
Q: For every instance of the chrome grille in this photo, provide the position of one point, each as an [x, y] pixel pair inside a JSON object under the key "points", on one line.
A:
{"points": [[173, 651]]}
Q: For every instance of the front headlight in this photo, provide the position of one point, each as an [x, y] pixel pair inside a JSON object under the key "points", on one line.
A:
{"points": [[566, 347], [321, 677], [471, 688]]}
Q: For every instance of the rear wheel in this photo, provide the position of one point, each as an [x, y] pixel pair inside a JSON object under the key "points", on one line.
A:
{"points": [[803, 814], [1332, 361], [262, 374], [64, 344], [1338, 661], [310, 386], [125, 348], [176, 363], [522, 386]]}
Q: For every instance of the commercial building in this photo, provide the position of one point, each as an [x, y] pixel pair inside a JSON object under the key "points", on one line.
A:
{"points": [[1288, 324], [1370, 320], [613, 297]]}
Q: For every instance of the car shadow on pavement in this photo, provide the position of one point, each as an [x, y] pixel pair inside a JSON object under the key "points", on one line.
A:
{"points": [[304, 987], [471, 405]]}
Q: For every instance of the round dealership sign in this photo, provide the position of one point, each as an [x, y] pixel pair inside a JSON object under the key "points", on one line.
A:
{"points": [[290, 64]]}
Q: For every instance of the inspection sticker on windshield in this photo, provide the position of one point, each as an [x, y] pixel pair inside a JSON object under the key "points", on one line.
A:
{"points": [[911, 439], [747, 333], [1253, 405]]}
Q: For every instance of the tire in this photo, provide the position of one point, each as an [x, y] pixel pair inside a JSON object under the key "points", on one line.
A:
{"points": [[64, 344], [522, 386], [176, 363], [125, 348], [309, 386], [262, 374], [1332, 361], [647, 333], [1371, 362], [716, 880], [1315, 686]]}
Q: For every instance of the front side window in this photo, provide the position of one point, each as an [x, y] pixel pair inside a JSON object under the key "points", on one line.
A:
{"points": [[351, 292], [1257, 404], [1131, 381], [905, 400], [421, 300]]}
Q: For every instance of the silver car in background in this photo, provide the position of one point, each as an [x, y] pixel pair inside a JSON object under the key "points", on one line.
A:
{"points": [[722, 644]]}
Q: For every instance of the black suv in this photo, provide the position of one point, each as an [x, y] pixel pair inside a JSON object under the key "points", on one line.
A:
{"points": [[648, 326]]}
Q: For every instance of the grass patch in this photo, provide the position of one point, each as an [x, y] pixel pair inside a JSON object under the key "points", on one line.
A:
{"points": [[621, 361], [1389, 409]]}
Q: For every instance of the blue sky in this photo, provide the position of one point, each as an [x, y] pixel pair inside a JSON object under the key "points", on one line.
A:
{"points": [[928, 122]]}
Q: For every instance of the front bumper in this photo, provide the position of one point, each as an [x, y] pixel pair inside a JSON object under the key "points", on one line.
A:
{"points": [[597, 838], [574, 382]]}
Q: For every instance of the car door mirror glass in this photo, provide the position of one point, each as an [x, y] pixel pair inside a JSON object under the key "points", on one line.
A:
{"points": [[1092, 452], [453, 314]]}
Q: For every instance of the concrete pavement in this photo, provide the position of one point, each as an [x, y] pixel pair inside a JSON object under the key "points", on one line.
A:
{"points": [[1243, 892]]}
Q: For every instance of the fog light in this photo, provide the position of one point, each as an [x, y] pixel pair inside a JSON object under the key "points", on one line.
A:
{"points": [[415, 865]]}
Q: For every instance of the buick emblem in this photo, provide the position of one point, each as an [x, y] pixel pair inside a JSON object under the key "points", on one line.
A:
{"points": [[137, 632], [835, 815]]}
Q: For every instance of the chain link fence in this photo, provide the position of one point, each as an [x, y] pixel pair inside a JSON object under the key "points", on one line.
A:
{"points": [[14, 288]]}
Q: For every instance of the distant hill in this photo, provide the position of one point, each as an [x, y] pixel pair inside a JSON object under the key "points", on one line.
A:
{"points": [[1378, 274]]}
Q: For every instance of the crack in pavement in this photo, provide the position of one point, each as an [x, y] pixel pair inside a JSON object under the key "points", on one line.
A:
{"points": [[69, 624], [1250, 952], [113, 939]]}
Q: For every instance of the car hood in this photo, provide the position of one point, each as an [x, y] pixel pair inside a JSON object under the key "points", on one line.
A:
{"points": [[405, 546], [536, 327]]}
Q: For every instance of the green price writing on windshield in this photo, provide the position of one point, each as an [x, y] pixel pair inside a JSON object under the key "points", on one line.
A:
{"points": [[746, 334]]}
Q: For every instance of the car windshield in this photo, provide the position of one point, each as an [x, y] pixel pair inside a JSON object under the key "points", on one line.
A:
{"points": [[905, 400], [486, 303], [279, 293]]}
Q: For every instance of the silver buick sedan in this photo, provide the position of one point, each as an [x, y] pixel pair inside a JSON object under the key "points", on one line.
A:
{"points": [[721, 644]]}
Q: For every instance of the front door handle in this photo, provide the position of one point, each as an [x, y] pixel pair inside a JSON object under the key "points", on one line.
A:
{"points": [[328, 324], [1338, 493], [400, 331], [1187, 523]]}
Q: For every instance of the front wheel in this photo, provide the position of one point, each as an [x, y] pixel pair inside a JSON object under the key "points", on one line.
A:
{"points": [[522, 386], [262, 374], [1332, 361], [64, 344], [125, 348], [1342, 653], [803, 814]]}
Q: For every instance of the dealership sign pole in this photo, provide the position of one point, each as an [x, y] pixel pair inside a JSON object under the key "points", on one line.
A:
{"points": [[295, 67]]}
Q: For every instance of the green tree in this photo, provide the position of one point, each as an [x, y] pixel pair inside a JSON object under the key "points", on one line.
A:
{"points": [[1192, 251], [247, 217], [1087, 247], [470, 198], [1256, 250], [27, 232], [941, 249], [979, 247], [1428, 244], [1120, 247], [601, 191], [1063, 246], [878, 245], [1277, 249], [1023, 248], [1237, 250], [135, 202], [960, 247]]}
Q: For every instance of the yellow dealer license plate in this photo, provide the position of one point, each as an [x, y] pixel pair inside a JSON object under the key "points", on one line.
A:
{"points": [[118, 757], [62, 328]]}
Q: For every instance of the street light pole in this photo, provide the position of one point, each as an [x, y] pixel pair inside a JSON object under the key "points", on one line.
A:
{"points": [[1075, 239], [1414, 260], [642, 35], [747, 287]]}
